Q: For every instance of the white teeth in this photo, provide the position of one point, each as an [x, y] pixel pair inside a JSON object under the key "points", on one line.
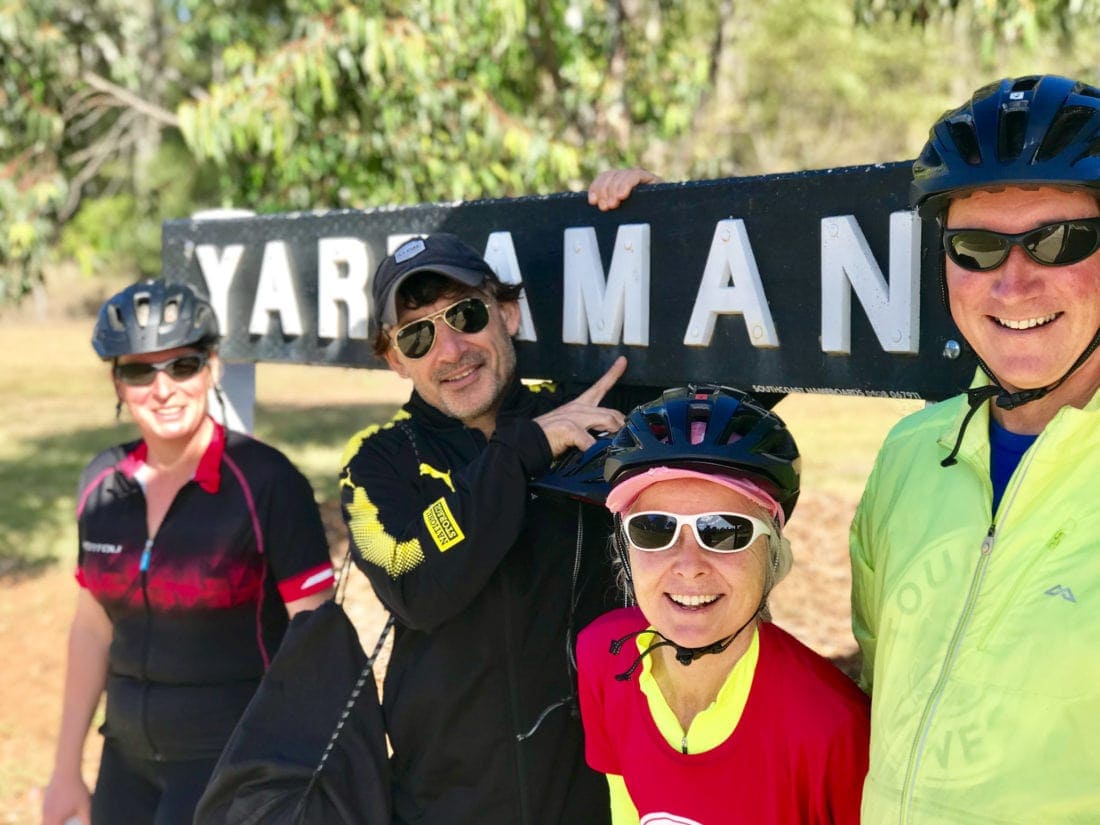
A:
{"points": [[460, 376], [691, 601], [1027, 323]]}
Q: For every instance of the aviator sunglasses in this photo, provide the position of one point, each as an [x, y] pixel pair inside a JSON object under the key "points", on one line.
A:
{"points": [[142, 374], [721, 532], [415, 339], [1055, 244]]}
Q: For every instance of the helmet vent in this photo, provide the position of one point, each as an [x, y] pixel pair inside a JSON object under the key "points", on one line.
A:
{"points": [[171, 311], [962, 134], [1010, 135], [1086, 90], [658, 427], [1092, 150], [1067, 124], [741, 423], [778, 445], [142, 308], [114, 318], [1025, 84]]}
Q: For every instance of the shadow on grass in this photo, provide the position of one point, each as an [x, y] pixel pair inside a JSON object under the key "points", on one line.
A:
{"points": [[39, 500], [38, 505]]}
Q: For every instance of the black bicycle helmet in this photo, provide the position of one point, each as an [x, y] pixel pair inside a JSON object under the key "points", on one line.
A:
{"points": [[578, 474], [1042, 129], [709, 428], [151, 316]]}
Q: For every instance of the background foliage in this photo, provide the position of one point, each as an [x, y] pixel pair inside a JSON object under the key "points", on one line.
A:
{"points": [[119, 114]]}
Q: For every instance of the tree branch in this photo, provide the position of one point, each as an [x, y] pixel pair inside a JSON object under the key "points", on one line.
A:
{"points": [[130, 100]]}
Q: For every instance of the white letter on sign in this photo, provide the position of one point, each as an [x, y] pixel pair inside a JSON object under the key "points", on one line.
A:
{"points": [[218, 273], [275, 293], [730, 260], [847, 263], [343, 267], [591, 309], [500, 254]]}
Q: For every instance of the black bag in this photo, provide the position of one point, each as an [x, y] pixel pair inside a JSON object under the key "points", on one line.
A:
{"points": [[310, 748]]}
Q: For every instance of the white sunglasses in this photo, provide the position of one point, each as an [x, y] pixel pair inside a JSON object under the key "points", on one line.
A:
{"points": [[655, 530]]}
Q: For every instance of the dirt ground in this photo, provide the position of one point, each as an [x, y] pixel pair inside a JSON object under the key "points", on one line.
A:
{"points": [[35, 611]]}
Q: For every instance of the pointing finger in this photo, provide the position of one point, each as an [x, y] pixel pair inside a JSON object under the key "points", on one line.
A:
{"points": [[595, 393]]}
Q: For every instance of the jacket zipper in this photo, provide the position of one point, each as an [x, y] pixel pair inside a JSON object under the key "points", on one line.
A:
{"points": [[143, 568], [976, 581], [479, 444]]}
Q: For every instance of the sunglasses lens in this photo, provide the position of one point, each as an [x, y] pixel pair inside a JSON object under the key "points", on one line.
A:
{"points": [[140, 374], [651, 531], [469, 316], [977, 249], [415, 339], [726, 533], [1056, 244], [184, 367], [720, 532], [1062, 243], [137, 375]]}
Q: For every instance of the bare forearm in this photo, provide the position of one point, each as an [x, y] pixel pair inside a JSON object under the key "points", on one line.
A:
{"points": [[85, 679]]}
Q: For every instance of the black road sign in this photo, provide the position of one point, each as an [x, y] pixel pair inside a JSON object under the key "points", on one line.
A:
{"points": [[818, 281]]}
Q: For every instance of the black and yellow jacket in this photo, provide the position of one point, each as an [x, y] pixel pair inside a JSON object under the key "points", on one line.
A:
{"points": [[479, 573]]}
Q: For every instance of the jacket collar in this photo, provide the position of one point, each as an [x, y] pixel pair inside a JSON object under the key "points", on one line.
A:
{"points": [[208, 474], [518, 402], [975, 441]]}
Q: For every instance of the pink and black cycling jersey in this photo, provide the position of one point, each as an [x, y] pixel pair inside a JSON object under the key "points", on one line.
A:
{"points": [[197, 610]]}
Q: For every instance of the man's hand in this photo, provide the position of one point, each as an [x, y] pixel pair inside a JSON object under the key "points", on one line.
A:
{"points": [[612, 187], [568, 425]]}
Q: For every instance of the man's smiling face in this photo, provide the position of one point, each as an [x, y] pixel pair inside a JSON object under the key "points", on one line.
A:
{"points": [[464, 375], [1028, 322]]}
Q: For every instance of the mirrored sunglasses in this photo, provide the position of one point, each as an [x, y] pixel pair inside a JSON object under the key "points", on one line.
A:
{"points": [[721, 532], [1055, 244], [142, 374], [415, 339]]}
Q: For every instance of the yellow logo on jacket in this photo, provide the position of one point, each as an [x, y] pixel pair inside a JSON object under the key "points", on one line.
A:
{"points": [[441, 524], [432, 472]]}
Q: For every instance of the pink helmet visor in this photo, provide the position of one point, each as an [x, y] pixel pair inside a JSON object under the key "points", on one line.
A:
{"points": [[623, 494]]}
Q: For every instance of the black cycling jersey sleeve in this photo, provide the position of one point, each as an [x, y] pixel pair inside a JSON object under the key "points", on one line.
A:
{"points": [[430, 536]]}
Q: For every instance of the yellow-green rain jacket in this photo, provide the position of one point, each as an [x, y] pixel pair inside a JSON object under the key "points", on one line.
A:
{"points": [[980, 632]]}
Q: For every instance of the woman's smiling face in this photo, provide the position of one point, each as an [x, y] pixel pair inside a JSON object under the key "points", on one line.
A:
{"points": [[690, 594]]}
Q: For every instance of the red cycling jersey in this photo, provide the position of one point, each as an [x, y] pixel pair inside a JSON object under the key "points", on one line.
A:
{"points": [[798, 754]]}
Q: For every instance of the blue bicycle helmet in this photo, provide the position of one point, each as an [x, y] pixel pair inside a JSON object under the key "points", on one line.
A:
{"points": [[1037, 130], [710, 428], [578, 474], [152, 316]]}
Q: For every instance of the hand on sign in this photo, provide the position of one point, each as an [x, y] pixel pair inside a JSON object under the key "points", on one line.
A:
{"points": [[613, 186], [569, 425]]}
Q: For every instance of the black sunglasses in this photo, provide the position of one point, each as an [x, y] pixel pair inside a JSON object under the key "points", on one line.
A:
{"points": [[720, 532], [416, 338], [1055, 244], [142, 374]]}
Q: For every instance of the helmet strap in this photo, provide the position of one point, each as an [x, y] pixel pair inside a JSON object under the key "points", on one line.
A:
{"points": [[684, 655], [1010, 401]]}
